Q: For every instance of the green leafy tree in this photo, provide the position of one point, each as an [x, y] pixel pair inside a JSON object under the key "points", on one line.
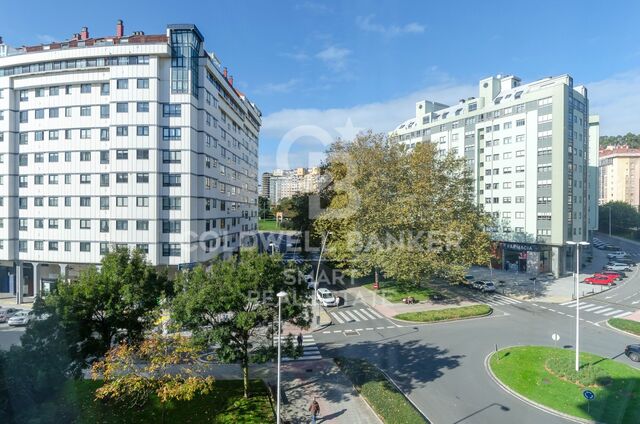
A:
{"points": [[115, 303], [232, 306], [630, 139], [264, 206], [624, 217], [408, 213]]}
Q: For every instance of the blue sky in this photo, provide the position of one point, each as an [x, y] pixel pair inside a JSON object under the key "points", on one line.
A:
{"points": [[319, 69]]}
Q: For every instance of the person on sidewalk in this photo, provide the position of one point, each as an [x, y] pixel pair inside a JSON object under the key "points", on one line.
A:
{"points": [[300, 341], [314, 408]]}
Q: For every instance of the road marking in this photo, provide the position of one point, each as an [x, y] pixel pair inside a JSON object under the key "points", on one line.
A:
{"points": [[573, 302], [634, 302], [333, 314], [391, 326], [508, 299], [604, 310], [353, 317], [326, 332], [561, 313], [337, 331], [587, 305], [364, 318], [366, 313], [344, 316], [623, 315], [369, 328], [595, 308], [617, 311], [375, 313], [379, 328], [358, 329]]}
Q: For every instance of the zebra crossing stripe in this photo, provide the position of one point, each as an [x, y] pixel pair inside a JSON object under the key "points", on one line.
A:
{"points": [[333, 314], [367, 314], [364, 318], [604, 310], [623, 314], [595, 308], [508, 299], [344, 316], [617, 311], [353, 317], [568, 303], [588, 305], [375, 313]]}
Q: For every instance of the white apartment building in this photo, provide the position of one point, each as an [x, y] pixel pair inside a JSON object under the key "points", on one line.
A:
{"points": [[528, 148], [289, 182], [136, 140]]}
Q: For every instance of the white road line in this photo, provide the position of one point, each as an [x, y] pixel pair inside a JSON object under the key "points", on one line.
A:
{"points": [[337, 331], [391, 326], [588, 305], [568, 303], [379, 328], [358, 329], [344, 316], [375, 313], [366, 313], [369, 328], [326, 332], [561, 313], [623, 315], [364, 318], [508, 299], [617, 311], [603, 310], [353, 317], [333, 314], [595, 308], [552, 310]]}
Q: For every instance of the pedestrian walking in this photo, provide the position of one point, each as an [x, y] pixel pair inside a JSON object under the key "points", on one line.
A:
{"points": [[314, 408], [299, 340]]}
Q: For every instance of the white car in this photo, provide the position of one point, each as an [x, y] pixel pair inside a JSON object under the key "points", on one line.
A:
{"points": [[617, 267], [617, 255], [326, 298], [21, 318]]}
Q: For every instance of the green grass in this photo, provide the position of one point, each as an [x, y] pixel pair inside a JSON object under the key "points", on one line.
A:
{"points": [[389, 403], [446, 314], [225, 404], [393, 292], [626, 325], [268, 225], [547, 376]]}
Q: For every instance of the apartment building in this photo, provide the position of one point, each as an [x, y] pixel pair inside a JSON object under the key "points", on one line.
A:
{"points": [[289, 182], [137, 141], [620, 175], [528, 147]]}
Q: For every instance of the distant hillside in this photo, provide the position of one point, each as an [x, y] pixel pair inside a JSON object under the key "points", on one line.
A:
{"points": [[632, 140]]}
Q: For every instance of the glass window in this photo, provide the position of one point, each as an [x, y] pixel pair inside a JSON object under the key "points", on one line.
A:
{"points": [[142, 107], [85, 88], [122, 84], [143, 83], [122, 107], [142, 130]]}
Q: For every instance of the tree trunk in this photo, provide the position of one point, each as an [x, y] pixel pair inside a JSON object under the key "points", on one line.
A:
{"points": [[245, 378]]}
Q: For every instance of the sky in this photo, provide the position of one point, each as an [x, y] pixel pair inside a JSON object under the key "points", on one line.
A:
{"points": [[321, 70]]}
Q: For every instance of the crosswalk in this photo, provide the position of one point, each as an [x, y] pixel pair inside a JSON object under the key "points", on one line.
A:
{"points": [[494, 299], [603, 310], [354, 315], [310, 351]]}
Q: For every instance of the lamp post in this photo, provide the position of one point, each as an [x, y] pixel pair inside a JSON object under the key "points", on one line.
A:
{"points": [[280, 295], [315, 283], [577, 277], [272, 246]]}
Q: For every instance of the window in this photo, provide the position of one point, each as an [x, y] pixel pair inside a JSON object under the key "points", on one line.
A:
{"points": [[122, 84], [506, 155], [67, 134], [23, 138], [171, 227], [53, 202], [122, 154], [104, 225], [54, 91], [519, 199], [122, 107], [85, 156], [506, 125], [142, 202], [104, 111], [104, 248], [38, 135], [104, 134], [142, 83], [171, 180], [39, 113], [53, 245], [506, 200], [105, 89], [53, 135], [142, 154], [171, 156], [104, 203], [85, 246], [85, 201], [519, 184], [104, 180], [53, 223], [171, 203], [122, 201], [22, 245], [38, 223], [68, 112], [85, 88], [85, 224], [519, 138], [171, 133], [142, 130], [142, 225], [142, 178], [122, 225], [85, 110], [67, 201], [506, 184], [85, 134], [38, 201], [143, 247], [506, 170], [24, 116], [519, 168], [53, 179], [22, 203], [38, 158], [85, 178], [520, 123], [170, 249], [142, 107], [169, 110], [520, 153]]}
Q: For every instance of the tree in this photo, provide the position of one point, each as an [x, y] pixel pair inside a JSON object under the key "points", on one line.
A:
{"points": [[264, 206], [407, 212], [232, 306], [118, 302], [165, 366], [624, 217]]}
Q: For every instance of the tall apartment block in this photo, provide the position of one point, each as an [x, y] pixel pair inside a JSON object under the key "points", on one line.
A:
{"points": [[281, 184], [136, 140], [620, 175], [528, 148]]}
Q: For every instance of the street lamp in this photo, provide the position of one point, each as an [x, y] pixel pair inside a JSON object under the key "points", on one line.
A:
{"points": [[272, 246], [315, 285], [280, 295], [577, 276]]}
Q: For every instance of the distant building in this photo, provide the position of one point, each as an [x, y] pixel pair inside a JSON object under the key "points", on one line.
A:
{"points": [[289, 182], [265, 187], [620, 175]]}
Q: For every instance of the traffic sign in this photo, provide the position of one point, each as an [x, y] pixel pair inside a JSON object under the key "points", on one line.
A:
{"points": [[555, 337], [589, 395]]}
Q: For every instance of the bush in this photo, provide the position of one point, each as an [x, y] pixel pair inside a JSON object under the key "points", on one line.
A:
{"points": [[565, 367], [446, 314]]}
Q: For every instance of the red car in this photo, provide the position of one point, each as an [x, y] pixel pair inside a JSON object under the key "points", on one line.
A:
{"points": [[608, 274], [604, 280]]}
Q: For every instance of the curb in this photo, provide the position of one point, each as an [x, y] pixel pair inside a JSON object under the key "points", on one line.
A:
{"points": [[527, 400], [621, 331], [447, 320]]}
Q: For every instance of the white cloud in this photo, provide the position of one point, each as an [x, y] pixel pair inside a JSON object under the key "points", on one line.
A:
{"points": [[616, 100], [299, 56], [334, 57], [366, 23], [278, 88]]}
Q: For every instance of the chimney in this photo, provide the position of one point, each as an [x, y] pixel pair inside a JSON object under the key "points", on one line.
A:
{"points": [[225, 73], [84, 33], [120, 28], [231, 80], [1, 40]]}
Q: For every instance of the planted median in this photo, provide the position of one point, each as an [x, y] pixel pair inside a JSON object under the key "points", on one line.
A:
{"points": [[446, 314], [627, 325], [547, 376], [387, 401]]}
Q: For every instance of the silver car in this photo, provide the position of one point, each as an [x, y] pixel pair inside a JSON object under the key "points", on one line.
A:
{"points": [[21, 318]]}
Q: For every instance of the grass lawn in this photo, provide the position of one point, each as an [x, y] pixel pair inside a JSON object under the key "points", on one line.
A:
{"points": [[626, 325], [391, 291], [390, 404], [446, 314], [547, 376], [225, 405], [268, 225]]}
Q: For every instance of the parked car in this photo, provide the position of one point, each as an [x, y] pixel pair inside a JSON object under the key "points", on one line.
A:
{"points": [[11, 311], [488, 287], [477, 284], [616, 255], [608, 274], [622, 274], [611, 247], [326, 298], [467, 280], [3, 315], [21, 318], [627, 261], [617, 267], [633, 352], [602, 281]]}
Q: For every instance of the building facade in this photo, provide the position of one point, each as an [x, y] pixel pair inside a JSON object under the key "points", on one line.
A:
{"points": [[527, 146], [139, 141], [620, 175], [287, 183]]}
